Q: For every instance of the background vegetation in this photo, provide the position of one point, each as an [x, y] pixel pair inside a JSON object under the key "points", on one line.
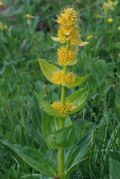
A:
{"points": [[21, 44]]}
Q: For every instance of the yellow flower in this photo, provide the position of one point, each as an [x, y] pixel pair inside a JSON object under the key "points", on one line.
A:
{"points": [[58, 77], [62, 78], [3, 26], [109, 5], [68, 28], [67, 34], [90, 36], [63, 109], [68, 18], [66, 57], [69, 77], [28, 17], [110, 20]]}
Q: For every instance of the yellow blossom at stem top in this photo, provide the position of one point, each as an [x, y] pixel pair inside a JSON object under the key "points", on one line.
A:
{"points": [[68, 18], [62, 108], [67, 57], [69, 28], [68, 34], [62, 78]]}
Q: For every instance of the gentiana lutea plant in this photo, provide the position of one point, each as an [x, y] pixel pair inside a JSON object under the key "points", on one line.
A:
{"points": [[69, 37], [66, 148]]}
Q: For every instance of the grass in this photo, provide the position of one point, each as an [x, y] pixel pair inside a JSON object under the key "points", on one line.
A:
{"points": [[20, 77]]}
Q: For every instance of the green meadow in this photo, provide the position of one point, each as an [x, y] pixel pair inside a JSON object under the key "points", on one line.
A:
{"points": [[23, 41]]}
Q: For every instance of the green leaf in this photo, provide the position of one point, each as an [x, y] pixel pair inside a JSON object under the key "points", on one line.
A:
{"points": [[78, 99], [35, 176], [76, 153], [33, 158], [78, 81], [81, 43], [74, 96], [48, 69], [63, 138], [49, 125], [56, 39], [114, 169], [45, 106]]}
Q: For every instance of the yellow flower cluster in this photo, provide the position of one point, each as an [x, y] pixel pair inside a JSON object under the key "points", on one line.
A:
{"points": [[3, 26], [67, 34], [63, 109], [62, 78], [66, 57], [68, 18], [109, 5], [68, 27]]}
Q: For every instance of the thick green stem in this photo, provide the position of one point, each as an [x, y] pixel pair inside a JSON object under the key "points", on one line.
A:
{"points": [[61, 155], [68, 45], [63, 95], [62, 125], [61, 150], [61, 163]]}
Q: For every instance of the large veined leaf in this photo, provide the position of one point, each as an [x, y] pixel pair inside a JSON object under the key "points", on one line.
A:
{"points": [[48, 69], [114, 169], [79, 80], [45, 106], [76, 153], [49, 124], [33, 158], [78, 99], [34, 176], [77, 94], [82, 43], [63, 137]]}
